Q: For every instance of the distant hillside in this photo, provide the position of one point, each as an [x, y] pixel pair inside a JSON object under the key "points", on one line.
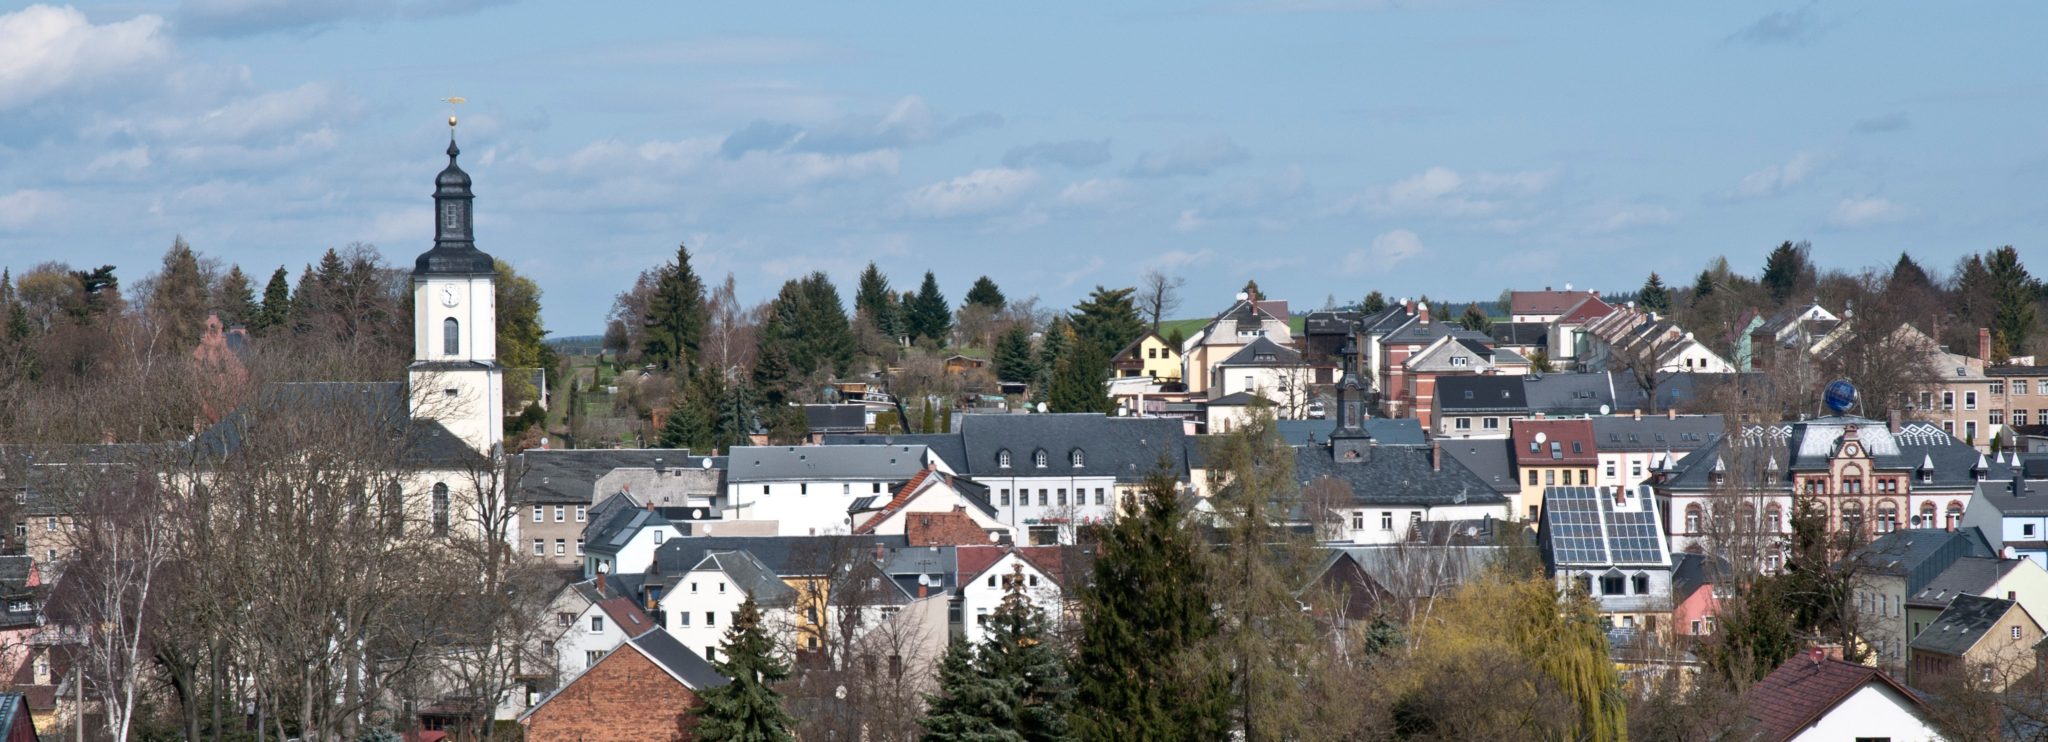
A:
{"points": [[577, 345]]}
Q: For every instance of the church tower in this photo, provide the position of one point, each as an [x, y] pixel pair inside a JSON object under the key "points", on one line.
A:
{"points": [[455, 375]]}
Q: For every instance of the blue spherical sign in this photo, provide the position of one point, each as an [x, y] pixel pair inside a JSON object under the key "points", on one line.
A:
{"points": [[1840, 396]]}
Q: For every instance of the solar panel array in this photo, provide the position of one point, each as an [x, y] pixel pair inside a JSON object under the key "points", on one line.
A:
{"points": [[1586, 529]]}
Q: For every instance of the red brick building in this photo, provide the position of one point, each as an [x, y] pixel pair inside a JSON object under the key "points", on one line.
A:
{"points": [[646, 689]]}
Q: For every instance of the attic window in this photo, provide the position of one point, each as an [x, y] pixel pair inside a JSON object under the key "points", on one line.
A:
{"points": [[1468, 394], [1556, 450], [1263, 357], [1075, 458], [1003, 459], [1038, 459]]}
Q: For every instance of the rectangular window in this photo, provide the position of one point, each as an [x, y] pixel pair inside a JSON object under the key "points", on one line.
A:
{"points": [[561, 547], [1491, 423], [1006, 498], [658, 534], [1635, 468], [1532, 477], [682, 618], [1100, 498], [1463, 423], [561, 513], [1970, 431], [590, 657], [1042, 498], [803, 488], [846, 489], [1997, 417], [596, 624], [710, 654], [2015, 632], [1998, 388], [537, 548], [1610, 470], [2019, 387], [1386, 520], [1550, 477], [1969, 400], [2019, 417], [565, 619], [1358, 520], [710, 618], [582, 511], [1585, 477], [536, 513], [579, 547], [1948, 400], [1063, 497]]}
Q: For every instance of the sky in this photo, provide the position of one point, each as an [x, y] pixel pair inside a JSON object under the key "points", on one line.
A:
{"points": [[1325, 148]]}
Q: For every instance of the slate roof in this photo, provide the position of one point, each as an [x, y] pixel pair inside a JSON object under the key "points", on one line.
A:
{"points": [[1921, 554], [749, 575], [1388, 431], [1964, 623], [1397, 475], [1263, 353], [618, 528], [1997, 490], [1617, 434], [1806, 447], [1501, 394], [1533, 334], [1237, 399], [1127, 448], [570, 476], [947, 446], [783, 555], [1488, 458], [384, 405], [1321, 322], [1967, 576], [836, 418], [1562, 395], [1803, 690], [893, 463], [662, 647]]}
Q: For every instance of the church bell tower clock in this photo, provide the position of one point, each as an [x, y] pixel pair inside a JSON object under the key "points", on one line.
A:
{"points": [[455, 377]]}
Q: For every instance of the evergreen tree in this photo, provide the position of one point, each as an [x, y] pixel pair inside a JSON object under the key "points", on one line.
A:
{"points": [[875, 304], [693, 418], [968, 707], [931, 318], [179, 300], [1374, 302], [2013, 293], [807, 327], [1539, 362], [1786, 270], [676, 315], [306, 302], [1475, 319], [277, 303], [1177, 338], [1078, 381], [1013, 356], [1146, 610], [1653, 296], [1014, 687], [1702, 287], [1907, 274], [235, 299], [1058, 339], [747, 709], [1108, 320], [985, 294]]}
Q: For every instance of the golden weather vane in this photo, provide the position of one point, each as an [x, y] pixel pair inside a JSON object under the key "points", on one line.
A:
{"points": [[453, 101]]}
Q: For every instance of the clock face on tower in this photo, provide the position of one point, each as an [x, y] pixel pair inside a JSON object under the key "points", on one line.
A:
{"points": [[448, 298]]}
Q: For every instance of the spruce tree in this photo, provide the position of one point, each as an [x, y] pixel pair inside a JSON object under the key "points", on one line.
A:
{"points": [[1011, 687], [1785, 270], [1374, 302], [235, 298], [1653, 296], [1059, 337], [1702, 287], [1146, 610], [1108, 320], [1907, 274], [676, 315], [179, 300], [1475, 319], [968, 706], [693, 418], [1014, 360], [2013, 294], [931, 318], [747, 709], [1078, 381], [875, 304], [277, 303], [985, 294]]}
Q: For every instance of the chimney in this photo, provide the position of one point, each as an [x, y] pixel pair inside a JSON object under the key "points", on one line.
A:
{"points": [[1894, 421], [1436, 455], [1637, 413], [1408, 306], [1422, 312], [1984, 344], [1671, 413], [600, 583]]}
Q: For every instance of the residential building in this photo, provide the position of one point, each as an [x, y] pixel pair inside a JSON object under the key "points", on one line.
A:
{"points": [[1393, 343], [1322, 338], [1698, 584], [1795, 329], [1492, 460], [648, 689], [1551, 453], [625, 542], [1360, 492], [1148, 357], [1641, 343], [1547, 305], [591, 618], [1861, 473], [2012, 510], [553, 491], [987, 572], [704, 600], [1568, 338], [1630, 446], [807, 490], [1819, 698], [923, 508], [1526, 339], [1608, 545], [1266, 369], [2019, 580], [1248, 319], [1476, 406], [1893, 569], [1456, 354], [1982, 639], [2017, 398]]}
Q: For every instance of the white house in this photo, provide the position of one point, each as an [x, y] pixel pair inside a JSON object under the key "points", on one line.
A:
{"points": [[1817, 697], [705, 600], [2012, 514], [590, 620], [1267, 369], [623, 541], [1608, 544], [807, 490], [928, 493], [986, 573]]}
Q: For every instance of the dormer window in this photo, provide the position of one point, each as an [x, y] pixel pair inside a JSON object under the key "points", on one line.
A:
{"points": [[1002, 459], [1075, 458], [1263, 357], [1038, 459]]}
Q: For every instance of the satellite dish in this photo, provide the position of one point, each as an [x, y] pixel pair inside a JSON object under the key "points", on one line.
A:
{"points": [[707, 462], [1542, 437], [1604, 409], [1041, 407], [1241, 296], [924, 580]]}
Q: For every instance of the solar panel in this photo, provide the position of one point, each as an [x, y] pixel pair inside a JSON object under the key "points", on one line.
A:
{"points": [[1586, 529]]}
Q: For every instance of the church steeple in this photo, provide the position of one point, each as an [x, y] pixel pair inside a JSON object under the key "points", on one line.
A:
{"points": [[1350, 442], [454, 250]]}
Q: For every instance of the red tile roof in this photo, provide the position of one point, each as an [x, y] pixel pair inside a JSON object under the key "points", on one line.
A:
{"points": [[902, 498], [973, 561], [1561, 432], [1803, 690], [1590, 309], [626, 615], [1545, 302], [956, 528]]}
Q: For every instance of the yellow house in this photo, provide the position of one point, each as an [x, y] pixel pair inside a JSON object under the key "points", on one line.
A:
{"points": [[1149, 356]]}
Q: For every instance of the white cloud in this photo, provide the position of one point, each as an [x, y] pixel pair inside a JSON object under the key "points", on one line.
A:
{"points": [[134, 158], [1441, 191], [1194, 157], [45, 49], [979, 192], [311, 106], [1623, 217], [1776, 179], [1074, 276], [1189, 221], [1852, 213], [21, 209], [1104, 193], [243, 17], [1385, 252]]}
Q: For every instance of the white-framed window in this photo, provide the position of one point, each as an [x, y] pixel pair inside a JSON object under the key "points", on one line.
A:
{"points": [[1463, 423], [579, 547], [1491, 423], [1002, 459], [538, 549], [582, 512], [536, 513], [1075, 458], [561, 547], [1969, 400], [1948, 400], [561, 513], [1386, 520], [596, 624], [1038, 459], [659, 535], [1358, 520]]}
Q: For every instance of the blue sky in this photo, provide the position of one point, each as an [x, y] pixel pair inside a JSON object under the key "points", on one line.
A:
{"points": [[1322, 147]]}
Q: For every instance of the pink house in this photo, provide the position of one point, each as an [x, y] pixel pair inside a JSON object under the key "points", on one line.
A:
{"points": [[1694, 607]]}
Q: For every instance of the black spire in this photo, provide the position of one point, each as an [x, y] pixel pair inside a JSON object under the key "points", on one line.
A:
{"points": [[454, 250], [1350, 442]]}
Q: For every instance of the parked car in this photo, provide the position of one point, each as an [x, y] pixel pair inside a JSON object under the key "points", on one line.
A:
{"points": [[1316, 411]]}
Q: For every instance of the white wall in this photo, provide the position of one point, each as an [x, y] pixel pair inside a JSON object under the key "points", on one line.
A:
{"points": [[985, 594], [636, 557], [1401, 516], [1872, 711], [713, 593], [1021, 515], [802, 508], [575, 641]]}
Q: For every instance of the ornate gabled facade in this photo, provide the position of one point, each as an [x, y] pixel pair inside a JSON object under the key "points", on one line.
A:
{"points": [[1860, 473]]}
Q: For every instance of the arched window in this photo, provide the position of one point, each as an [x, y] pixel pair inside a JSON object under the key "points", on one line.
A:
{"points": [[1075, 458], [1927, 519], [1748, 515], [1774, 519], [451, 337], [1852, 516], [1955, 514], [1692, 519], [1038, 459], [1887, 517], [1003, 459], [393, 505], [440, 508]]}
